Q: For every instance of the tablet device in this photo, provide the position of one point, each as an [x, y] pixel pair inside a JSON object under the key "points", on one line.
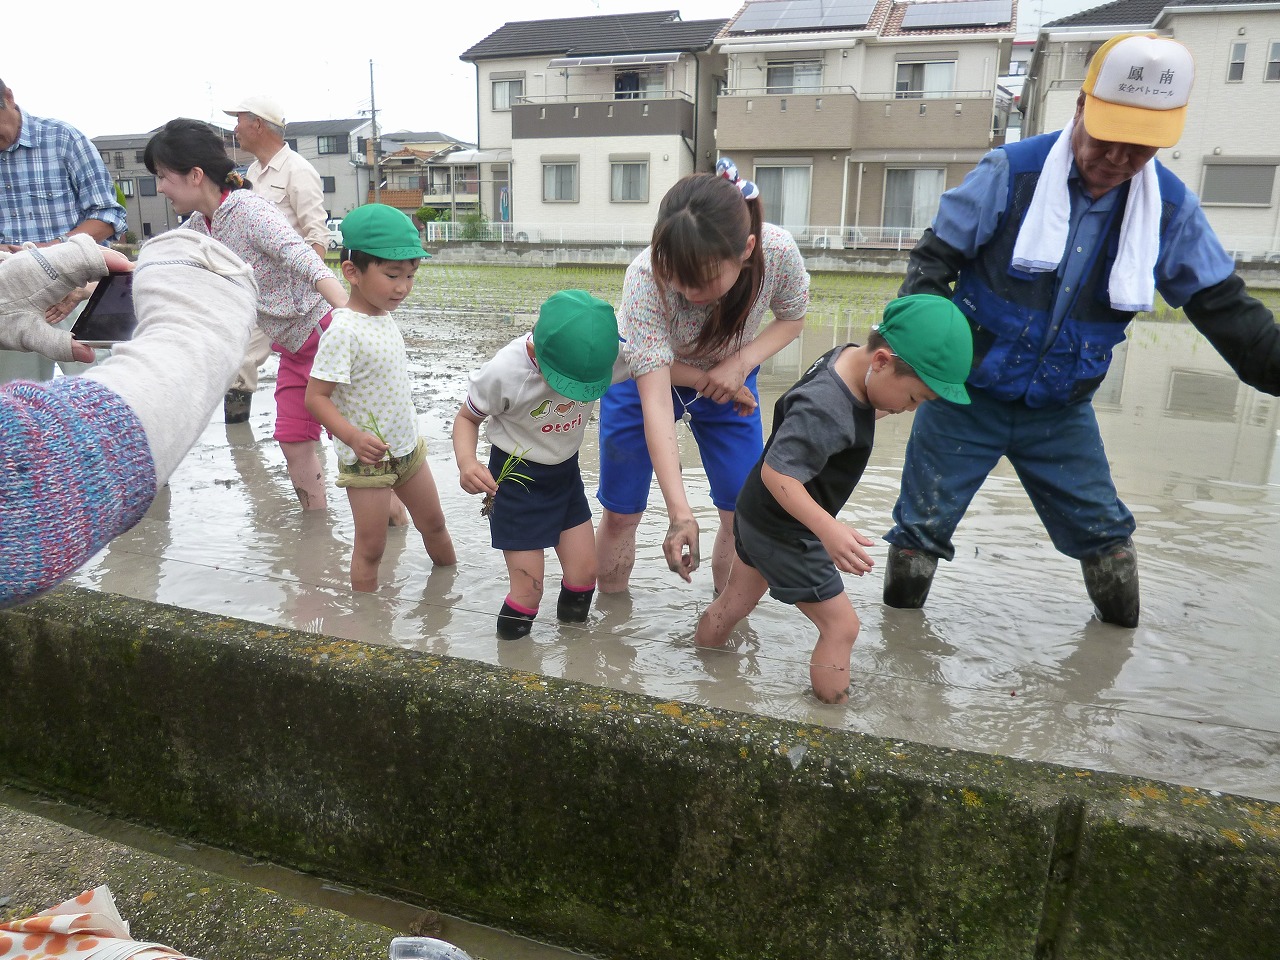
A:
{"points": [[108, 316]]}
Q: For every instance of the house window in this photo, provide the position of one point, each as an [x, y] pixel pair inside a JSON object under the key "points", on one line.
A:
{"points": [[629, 182], [794, 76], [1273, 61], [638, 84], [146, 228], [1235, 68], [934, 78], [785, 190], [126, 187], [329, 184], [507, 92], [911, 197], [1248, 184], [146, 186], [292, 143], [139, 156], [560, 182], [1203, 396], [119, 160], [331, 145]]}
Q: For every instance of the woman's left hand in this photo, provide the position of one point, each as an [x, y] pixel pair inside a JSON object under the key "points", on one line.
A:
{"points": [[725, 379], [62, 309]]}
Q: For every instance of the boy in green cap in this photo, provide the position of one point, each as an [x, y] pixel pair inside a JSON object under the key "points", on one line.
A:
{"points": [[359, 390], [788, 538], [537, 395]]}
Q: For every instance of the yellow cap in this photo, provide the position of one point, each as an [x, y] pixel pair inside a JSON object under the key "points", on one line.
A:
{"points": [[1136, 90]]}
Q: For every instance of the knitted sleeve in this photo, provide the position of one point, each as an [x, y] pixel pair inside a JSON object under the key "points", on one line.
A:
{"points": [[75, 471]]}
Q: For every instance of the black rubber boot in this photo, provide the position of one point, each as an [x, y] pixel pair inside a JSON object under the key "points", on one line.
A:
{"points": [[235, 406], [512, 624], [1112, 582], [573, 605], [908, 575]]}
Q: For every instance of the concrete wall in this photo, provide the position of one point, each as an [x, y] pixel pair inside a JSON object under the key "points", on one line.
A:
{"points": [[618, 823]]}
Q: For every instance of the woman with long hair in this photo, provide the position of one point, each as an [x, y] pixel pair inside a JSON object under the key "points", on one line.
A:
{"points": [[296, 288], [697, 294]]}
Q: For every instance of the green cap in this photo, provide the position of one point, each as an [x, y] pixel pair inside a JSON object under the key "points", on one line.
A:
{"points": [[933, 336], [383, 232], [576, 342]]}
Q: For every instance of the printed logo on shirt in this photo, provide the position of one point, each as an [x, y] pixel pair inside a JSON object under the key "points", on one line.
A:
{"points": [[542, 410]]}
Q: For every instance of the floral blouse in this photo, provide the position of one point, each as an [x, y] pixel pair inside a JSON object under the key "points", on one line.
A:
{"points": [[285, 266]]}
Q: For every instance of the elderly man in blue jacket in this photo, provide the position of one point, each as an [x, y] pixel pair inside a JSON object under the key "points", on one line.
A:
{"points": [[1049, 247]]}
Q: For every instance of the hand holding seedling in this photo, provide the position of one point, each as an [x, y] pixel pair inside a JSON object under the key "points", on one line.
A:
{"points": [[475, 477], [369, 448]]}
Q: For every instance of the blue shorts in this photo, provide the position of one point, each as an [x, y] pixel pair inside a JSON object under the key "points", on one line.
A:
{"points": [[797, 571], [729, 445], [530, 514]]}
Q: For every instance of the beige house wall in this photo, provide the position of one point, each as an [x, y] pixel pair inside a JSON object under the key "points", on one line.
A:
{"points": [[667, 158], [494, 126]]}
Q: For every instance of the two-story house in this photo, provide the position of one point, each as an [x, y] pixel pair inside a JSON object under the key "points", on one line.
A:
{"points": [[854, 116], [416, 173], [1230, 148], [585, 122], [336, 149]]}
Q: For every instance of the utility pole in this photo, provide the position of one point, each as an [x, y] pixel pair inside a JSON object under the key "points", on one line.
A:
{"points": [[373, 115]]}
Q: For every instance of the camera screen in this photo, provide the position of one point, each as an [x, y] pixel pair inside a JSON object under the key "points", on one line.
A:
{"points": [[108, 317]]}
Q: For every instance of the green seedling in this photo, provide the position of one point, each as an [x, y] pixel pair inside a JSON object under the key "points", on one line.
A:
{"points": [[371, 426], [508, 472]]}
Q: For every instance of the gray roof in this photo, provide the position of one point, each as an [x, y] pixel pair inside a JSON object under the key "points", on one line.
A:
{"points": [[653, 32], [128, 141], [422, 136], [122, 141], [322, 128], [1127, 12]]}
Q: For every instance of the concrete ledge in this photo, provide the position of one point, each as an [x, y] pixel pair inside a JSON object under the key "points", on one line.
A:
{"points": [[623, 824], [43, 863]]}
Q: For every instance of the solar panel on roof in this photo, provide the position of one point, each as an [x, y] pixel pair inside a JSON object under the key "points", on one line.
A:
{"points": [[768, 15], [963, 13]]}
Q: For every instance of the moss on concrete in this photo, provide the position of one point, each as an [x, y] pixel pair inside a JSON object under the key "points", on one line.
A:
{"points": [[591, 817]]}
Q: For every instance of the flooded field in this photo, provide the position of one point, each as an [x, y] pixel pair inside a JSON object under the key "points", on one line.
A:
{"points": [[1004, 659]]}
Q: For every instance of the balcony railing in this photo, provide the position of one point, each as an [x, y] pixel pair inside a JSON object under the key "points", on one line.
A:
{"points": [[606, 97], [809, 238], [985, 93]]}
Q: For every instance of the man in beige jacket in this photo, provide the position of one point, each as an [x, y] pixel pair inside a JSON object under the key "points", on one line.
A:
{"points": [[290, 182]]}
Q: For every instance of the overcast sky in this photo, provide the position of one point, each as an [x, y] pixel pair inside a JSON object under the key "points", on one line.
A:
{"points": [[127, 68]]}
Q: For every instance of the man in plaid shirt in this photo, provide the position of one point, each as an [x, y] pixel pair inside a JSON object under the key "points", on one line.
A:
{"points": [[53, 183]]}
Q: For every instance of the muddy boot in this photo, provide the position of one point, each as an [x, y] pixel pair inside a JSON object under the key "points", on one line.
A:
{"points": [[573, 605], [907, 577], [514, 623], [1112, 582], [235, 406]]}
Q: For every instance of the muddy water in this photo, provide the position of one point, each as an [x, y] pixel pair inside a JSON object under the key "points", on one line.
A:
{"points": [[1005, 658]]}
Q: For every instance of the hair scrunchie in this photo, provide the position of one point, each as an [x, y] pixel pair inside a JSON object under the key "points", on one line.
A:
{"points": [[234, 180], [729, 170]]}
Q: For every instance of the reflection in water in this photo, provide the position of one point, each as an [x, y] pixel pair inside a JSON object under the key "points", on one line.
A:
{"points": [[1005, 658]]}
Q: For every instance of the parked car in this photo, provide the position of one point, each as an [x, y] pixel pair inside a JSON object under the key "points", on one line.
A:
{"points": [[335, 233]]}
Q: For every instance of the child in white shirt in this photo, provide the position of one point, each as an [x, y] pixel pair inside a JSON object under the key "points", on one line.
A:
{"points": [[359, 390], [538, 394]]}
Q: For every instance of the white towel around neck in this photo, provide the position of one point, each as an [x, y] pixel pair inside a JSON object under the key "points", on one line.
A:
{"points": [[1042, 238]]}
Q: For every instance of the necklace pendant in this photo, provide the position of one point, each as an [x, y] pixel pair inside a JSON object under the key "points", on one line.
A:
{"points": [[686, 419]]}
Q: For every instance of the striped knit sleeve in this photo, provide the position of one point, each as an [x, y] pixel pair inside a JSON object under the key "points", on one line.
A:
{"points": [[75, 471]]}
